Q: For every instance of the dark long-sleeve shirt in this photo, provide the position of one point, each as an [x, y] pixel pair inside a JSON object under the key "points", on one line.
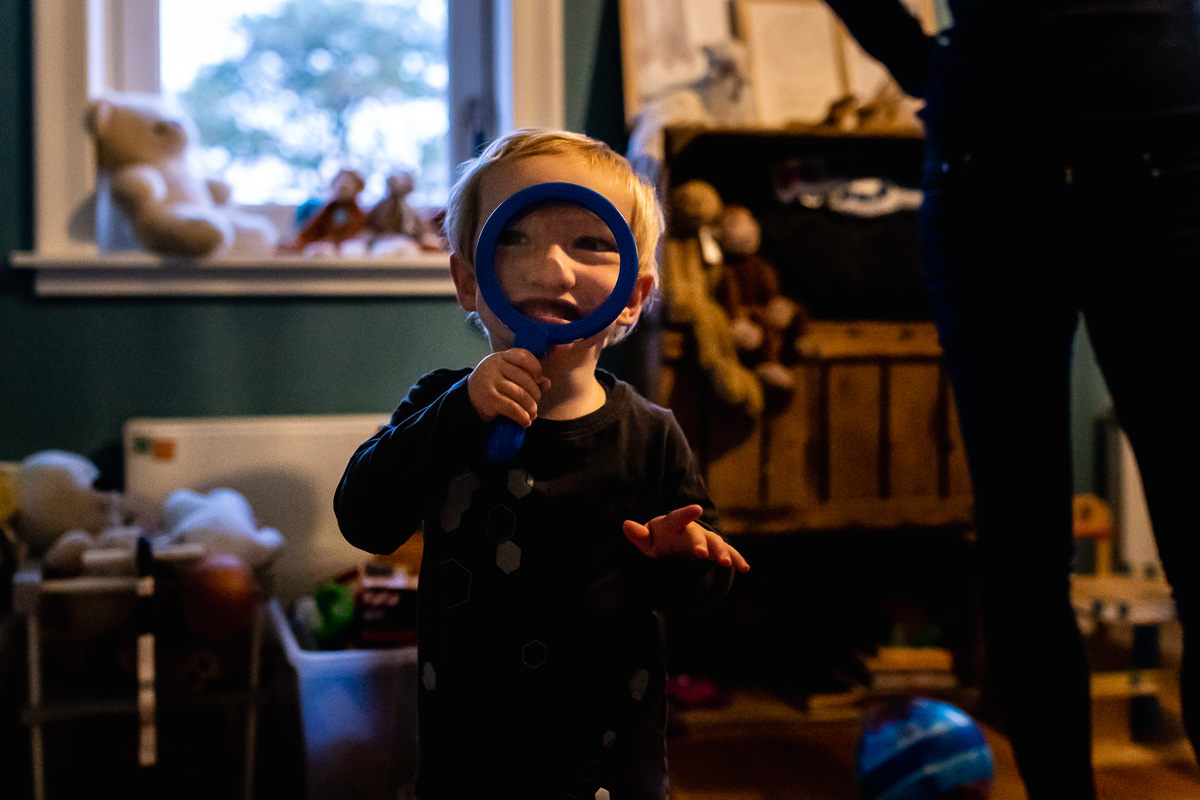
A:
{"points": [[542, 661]]}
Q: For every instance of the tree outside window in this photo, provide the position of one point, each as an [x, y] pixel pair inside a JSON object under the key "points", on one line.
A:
{"points": [[299, 89]]}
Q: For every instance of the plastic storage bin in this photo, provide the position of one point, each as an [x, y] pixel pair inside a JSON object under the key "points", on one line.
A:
{"points": [[359, 713]]}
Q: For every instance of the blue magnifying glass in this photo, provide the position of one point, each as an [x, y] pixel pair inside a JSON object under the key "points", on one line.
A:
{"points": [[506, 436]]}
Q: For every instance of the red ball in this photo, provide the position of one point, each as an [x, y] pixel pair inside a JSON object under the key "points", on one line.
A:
{"points": [[219, 594]]}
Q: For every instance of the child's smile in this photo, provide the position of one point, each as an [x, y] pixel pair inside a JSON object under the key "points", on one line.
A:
{"points": [[557, 263]]}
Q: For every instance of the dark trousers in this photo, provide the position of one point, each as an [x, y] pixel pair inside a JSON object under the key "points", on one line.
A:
{"points": [[1017, 246]]}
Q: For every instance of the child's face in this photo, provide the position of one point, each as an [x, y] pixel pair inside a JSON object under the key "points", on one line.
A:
{"points": [[559, 262]]}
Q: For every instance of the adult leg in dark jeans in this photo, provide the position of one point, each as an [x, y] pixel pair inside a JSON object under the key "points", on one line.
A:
{"points": [[1141, 315], [998, 278]]}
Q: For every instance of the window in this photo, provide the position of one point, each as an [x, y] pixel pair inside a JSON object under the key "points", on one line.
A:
{"points": [[505, 69], [287, 92]]}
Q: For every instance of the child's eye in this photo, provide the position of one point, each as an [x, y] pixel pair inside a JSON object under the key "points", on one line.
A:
{"points": [[596, 244], [510, 237]]}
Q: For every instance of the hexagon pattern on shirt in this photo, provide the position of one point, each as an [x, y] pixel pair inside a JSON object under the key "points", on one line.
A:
{"points": [[450, 518], [508, 557], [533, 654], [501, 524], [462, 486], [520, 483], [458, 499], [429, 676], [639, 682], [456, 583]]}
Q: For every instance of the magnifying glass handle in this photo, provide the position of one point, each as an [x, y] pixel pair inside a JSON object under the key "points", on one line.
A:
{"points": [[504, 440], [506, 436]]}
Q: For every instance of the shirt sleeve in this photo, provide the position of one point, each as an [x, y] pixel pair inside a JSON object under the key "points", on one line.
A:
{"points": [[891, 35], [688, 585], [394, 477]]}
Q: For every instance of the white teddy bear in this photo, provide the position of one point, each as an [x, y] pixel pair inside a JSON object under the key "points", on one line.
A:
{"points": [[54, 495], [142, 157]]}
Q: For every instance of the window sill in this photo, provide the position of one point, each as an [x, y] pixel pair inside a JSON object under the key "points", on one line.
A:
{"points": [[135, 274]]}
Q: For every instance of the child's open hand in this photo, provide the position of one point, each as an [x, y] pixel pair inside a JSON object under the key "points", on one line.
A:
{"points": [[508, 384], [679, 534]]}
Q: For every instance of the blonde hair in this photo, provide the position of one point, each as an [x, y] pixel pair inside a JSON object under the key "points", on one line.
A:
{"points": [[462, 220]]}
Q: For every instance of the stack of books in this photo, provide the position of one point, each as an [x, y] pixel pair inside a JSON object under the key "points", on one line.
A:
{"points": [[907, 669]]}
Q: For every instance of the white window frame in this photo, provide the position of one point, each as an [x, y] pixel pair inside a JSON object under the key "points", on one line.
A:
{"points": [[81, 49]]}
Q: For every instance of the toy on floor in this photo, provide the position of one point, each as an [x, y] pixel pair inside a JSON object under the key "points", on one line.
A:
{"points": [[144, 169], [219, 594], [75, 530], [913, 748], [55, 496], [222, 522]]}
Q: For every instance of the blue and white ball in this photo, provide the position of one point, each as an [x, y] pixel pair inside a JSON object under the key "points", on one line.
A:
{"points": [[913, 748]]}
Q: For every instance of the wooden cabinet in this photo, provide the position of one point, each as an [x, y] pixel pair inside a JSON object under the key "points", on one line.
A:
{"points": [[867, 437]]}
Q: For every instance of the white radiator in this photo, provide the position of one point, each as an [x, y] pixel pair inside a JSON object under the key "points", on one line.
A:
{"points": [[287, 467], [1132, 530]]}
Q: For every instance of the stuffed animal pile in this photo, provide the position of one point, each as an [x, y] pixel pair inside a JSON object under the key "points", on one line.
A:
{"points": [[728, 296], [692, 268], [341, 227], [75, 530], [765, 321]]}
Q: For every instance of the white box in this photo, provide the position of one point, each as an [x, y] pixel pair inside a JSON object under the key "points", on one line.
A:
{"points": [[287, 468], [359, 714]]}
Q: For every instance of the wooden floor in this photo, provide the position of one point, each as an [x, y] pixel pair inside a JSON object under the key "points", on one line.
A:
{"points": [[761, 747]]}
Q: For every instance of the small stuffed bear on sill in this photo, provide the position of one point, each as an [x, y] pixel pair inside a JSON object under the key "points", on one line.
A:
{"points": [[161, 203], [340, 226], [395, 226]]}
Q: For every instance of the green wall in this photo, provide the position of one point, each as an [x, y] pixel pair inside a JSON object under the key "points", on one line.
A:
{"points": [[73, 370]]}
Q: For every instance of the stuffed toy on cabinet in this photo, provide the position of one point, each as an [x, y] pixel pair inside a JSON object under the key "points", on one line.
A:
{"points": [[764, 320], [692, 268]]}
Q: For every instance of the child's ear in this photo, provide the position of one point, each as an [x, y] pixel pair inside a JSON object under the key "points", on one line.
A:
{"points": [[637, 300], [463, 275]]}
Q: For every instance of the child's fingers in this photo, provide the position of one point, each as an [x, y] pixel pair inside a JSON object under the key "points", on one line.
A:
{"points": [[727, 555], [530, 383], [639, 535], [524, 361], [679, 519], [503, 385], [635, 530], [521, 413], [699, 536]]}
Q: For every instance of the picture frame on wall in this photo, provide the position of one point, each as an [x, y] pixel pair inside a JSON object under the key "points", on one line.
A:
{"points": [[663, 46], [797, 59], [802, 60]]}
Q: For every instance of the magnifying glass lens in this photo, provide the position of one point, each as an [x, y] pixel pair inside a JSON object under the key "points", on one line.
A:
{"points": [[557, 263]]}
